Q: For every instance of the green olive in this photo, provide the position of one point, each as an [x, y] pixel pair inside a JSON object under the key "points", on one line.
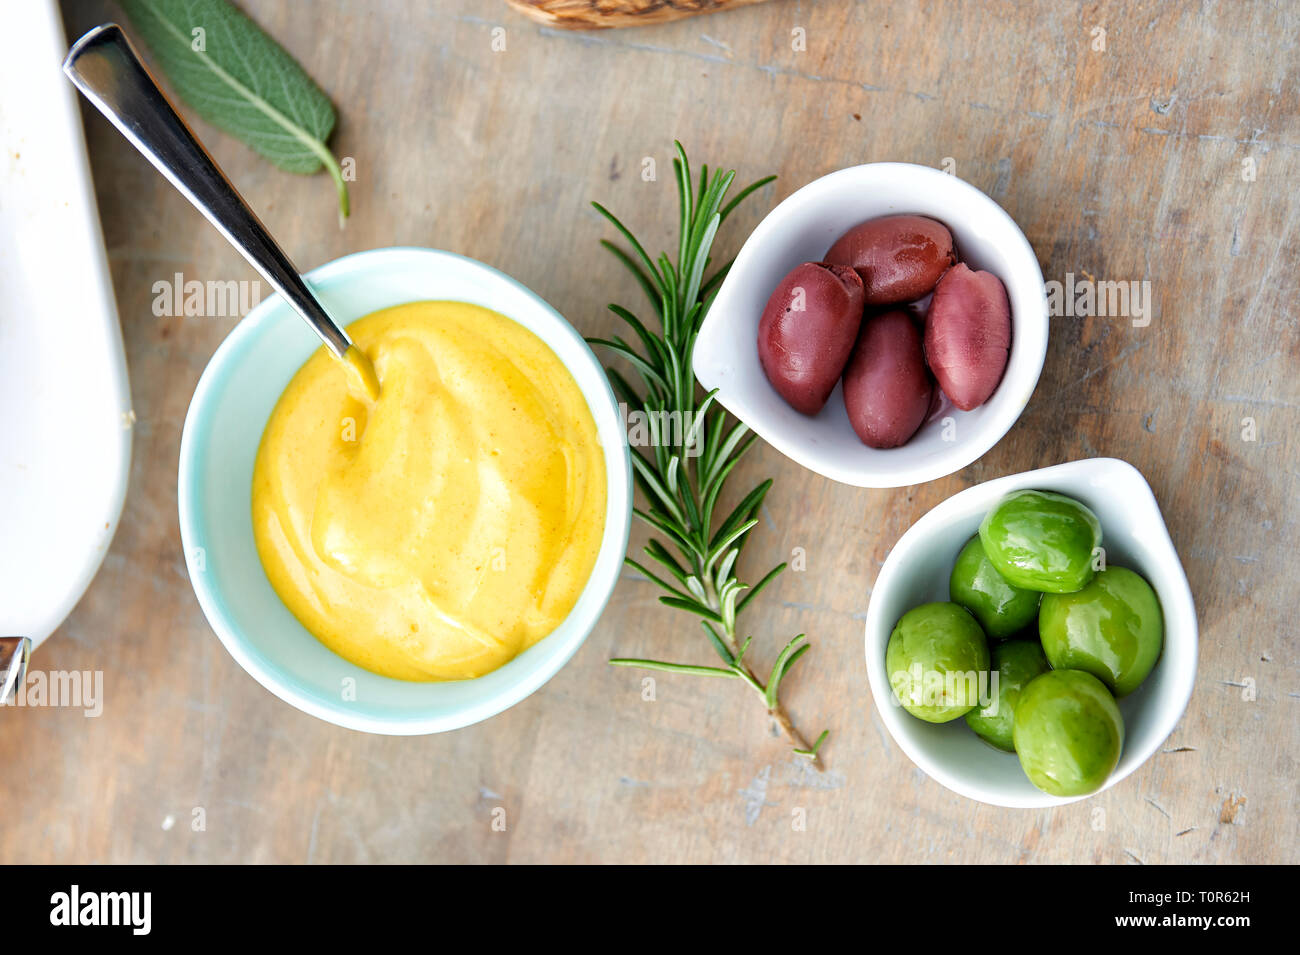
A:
{"points": [[1068, 732], [1001, 609], [936, 660], [1112, 628], [1015, 663], [1042, 541]]}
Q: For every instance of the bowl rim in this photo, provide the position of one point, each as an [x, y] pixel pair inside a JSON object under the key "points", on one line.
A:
{"points": [[1027, 328], [1179, 597], [618, 488]]}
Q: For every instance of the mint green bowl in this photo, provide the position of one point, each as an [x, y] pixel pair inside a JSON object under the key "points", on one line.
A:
{"points": [[227, 415]]}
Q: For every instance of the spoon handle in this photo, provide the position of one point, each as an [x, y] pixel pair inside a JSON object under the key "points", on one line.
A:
{"points": [[105, 67], [14, 653]]}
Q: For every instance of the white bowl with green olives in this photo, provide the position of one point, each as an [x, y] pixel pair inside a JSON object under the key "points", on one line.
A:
{"points": [[1083, 702]]}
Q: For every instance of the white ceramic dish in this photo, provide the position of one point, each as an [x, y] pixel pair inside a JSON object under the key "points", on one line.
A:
{"points": [[66, 451], [223, 428], [917, 569], [802, 229]]}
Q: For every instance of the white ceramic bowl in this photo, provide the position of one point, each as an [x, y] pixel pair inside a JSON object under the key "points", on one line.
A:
{"points": [[223, 428], [916, 572], [802, 229]]}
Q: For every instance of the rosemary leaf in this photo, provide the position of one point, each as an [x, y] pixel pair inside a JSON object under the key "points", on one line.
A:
{"points": [[693, 449], [672, 667]]}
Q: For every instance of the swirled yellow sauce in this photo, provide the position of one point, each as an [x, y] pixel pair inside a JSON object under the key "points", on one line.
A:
{"points": [[438, 528]]}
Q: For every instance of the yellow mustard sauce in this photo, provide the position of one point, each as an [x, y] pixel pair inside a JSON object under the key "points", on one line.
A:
{"points": [[362, 373], [439, 528]]}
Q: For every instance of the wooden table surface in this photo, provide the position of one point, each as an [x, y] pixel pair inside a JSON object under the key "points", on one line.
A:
{"points": [[1132, 162]]}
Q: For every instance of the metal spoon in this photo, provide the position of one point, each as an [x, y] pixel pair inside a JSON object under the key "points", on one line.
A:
{"points": [[104, 66], [14, 653]]}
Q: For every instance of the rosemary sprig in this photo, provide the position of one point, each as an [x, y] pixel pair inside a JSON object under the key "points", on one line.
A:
{"points": [[693, 446]]}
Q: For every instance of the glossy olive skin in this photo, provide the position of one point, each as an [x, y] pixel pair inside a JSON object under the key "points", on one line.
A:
{"points": [[1002, 609], [1112, 628], [1068, 732], [934, 659], [1042, 541], [1015, 662], [968, 335], [887, 391], [807, 331], [900, 258]]}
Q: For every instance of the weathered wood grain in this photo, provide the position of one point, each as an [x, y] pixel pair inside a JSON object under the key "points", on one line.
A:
{"points": [[1125, 163]]}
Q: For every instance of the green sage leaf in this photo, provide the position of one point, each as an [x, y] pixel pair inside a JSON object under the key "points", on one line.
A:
{"points": [[240, 80]]}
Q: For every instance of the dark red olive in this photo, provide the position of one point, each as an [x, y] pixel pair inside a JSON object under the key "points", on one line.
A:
{"points": [[807, 332], [900, 258], [887, 390], [968, 335]]}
